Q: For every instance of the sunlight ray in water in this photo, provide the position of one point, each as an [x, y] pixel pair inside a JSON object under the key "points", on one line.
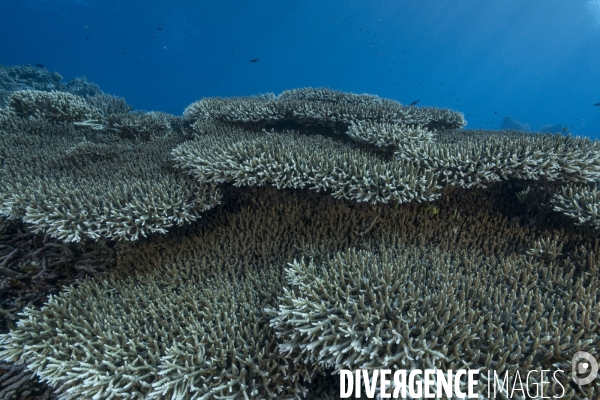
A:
{"points": [[594, 6]]}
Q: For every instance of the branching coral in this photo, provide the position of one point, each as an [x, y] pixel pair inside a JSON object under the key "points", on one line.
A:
{"points": [[466, 159], [95, 184], [317, 108], [184, 316], [26, 77], [380, 282], [5, 114], [54, 106], [140, 126], [288, 160], [179, 318], [387, 135], [410, 308], [378, 151], [422, 167], [211, 342], [579, 202], [108, 104]]}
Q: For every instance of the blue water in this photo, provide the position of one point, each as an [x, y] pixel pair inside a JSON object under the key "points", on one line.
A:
{"points": [[537, 61]]}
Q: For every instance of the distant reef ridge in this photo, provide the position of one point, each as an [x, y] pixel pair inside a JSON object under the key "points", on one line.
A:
{"points": [[511, 123], [27, 77], [254, 246]]}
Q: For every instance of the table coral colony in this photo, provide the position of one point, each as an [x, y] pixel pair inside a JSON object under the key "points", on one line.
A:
{"points": [[265, 243]]}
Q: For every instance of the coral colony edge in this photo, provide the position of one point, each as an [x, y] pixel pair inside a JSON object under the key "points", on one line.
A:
{"points": [[256, 246]]}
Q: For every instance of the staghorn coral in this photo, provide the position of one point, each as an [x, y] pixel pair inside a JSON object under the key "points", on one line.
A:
{"points": [[475, 158], [117, 335], [32, 267], [80, 87], [579, 202], [546, 249], [54, 106], [378, 151], [310, 109], [15, 384], [212, 342], [26, 77], [92, 151], [290, 160], [222, 345], [5, 114], [141, 126], [185, 317], [401, 307], [95, 184], [108, 104], [422, 168], [387, 135]]}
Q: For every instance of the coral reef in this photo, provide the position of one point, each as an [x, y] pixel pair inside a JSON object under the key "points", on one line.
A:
{"points": [[141, 126], [222, 345], [550, 128], [15, 383], [54, 106], [26, 77], [513, 124], [34, 266], [95, 184], [313, 253], [291, 160], [81, 87], [401, 307], [387, 135], [579, 202], [108, 104], [463, 287], [415, 164], [474, 158], [317, 110]]}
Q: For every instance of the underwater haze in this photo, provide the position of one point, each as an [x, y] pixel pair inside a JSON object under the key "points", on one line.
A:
{"points": [[535, 62]]}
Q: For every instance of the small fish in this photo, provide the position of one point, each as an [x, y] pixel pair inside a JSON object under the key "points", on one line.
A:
{"points": [[160, 29], [597, 104], [87, 38], [40, 66], [496, 112], [414, 103], [56, 15], [124, 53], [86, 28], [565, 129], [232, 52], [255, 60]]}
